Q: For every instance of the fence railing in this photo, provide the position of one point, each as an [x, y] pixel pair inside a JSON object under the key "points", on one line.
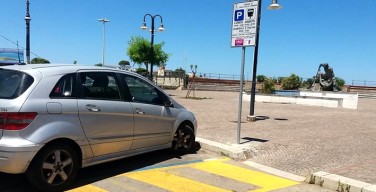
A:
{"points": [[218, 76], [363, 83]]}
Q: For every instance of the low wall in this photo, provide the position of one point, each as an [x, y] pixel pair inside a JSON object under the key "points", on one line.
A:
{"points": [[168, 82], [323, 99], [349, 100]]}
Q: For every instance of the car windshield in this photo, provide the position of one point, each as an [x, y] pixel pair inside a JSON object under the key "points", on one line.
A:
{"points": [[13, 83]]}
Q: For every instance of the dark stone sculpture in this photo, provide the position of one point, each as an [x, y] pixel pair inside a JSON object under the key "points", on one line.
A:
{"points": [[326, 79]]}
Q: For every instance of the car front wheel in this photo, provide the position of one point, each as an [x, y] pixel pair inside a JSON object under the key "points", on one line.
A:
{"points": [[184, 138], [54, 168]]}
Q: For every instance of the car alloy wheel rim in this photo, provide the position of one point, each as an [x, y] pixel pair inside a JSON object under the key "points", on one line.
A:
{"points": [[57, 167], [182, 139]]}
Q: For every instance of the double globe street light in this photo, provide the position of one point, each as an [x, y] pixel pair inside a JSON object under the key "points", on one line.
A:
{"points": [[152, 30]]}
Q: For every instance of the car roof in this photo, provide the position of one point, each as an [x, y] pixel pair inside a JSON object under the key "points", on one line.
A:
{"points": [[54, 69]]}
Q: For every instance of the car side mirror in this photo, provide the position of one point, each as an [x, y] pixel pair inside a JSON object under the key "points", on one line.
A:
{"points": [[168, 103]]}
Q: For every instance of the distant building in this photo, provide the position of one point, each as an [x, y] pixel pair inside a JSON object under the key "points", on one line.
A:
{"points": [[161, 71]]}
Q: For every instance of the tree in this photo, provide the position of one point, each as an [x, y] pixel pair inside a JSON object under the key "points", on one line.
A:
{"points": [[278, 79], [139, 52], [98, 65], [180, 70], [261, 78], [75, 62], [160, 57], [293, 82], [39, 60], [124, 63], [267, 86], [340, 82], [142, 72], [308, 82]]}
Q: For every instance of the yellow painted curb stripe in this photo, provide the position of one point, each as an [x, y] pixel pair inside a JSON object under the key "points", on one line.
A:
{"points": [[88, 188], [265, 181], [172, 182]]}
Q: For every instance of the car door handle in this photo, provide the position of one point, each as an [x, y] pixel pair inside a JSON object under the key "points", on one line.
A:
{"points": [[93, 108], [139, 111]]}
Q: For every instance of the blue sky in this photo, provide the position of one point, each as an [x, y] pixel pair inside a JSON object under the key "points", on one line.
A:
{"points": [[295, 39]]}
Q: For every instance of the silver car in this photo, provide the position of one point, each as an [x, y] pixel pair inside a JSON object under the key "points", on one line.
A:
{"points": [[55, 119]]}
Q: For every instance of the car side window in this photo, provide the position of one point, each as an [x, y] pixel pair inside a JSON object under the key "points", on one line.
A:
{"points": [[143, 92], [65, 87], [100, 85]]}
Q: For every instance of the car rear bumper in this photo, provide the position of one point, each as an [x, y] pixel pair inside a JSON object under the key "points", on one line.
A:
{"points": [[16, 155]]}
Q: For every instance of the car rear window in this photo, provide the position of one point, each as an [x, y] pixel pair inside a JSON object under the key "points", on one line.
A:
{"points": [[13, 83]]}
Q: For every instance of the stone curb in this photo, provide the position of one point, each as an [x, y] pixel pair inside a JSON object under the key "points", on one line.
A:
{"points": [[339, 183], [236, 152], [323, 179]]}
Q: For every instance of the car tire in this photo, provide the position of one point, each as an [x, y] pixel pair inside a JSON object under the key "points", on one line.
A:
{"points": [[54, 168], [183, 140]]}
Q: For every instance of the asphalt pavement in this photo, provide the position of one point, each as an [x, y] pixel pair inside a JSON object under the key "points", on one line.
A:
{"points": [[302, 140]]}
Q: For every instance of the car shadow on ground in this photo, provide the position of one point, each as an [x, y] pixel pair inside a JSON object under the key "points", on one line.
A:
{"points": [[19, 183], [103, 171]]}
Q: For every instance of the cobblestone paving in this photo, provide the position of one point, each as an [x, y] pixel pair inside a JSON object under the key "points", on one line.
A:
{"points": [[294, 138]]}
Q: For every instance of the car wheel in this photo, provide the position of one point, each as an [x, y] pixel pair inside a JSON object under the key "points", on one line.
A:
{"points": [[184, 138], [54, 168]]}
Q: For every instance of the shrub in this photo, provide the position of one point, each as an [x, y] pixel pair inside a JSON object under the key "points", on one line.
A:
{"points": [[142, 72], [261, 78], [267, 86], [340, 82], [293, 82], [308, 82]]}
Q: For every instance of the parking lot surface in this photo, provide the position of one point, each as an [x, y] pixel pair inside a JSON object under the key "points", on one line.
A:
{"points": [[161, 171], [293, 138]]}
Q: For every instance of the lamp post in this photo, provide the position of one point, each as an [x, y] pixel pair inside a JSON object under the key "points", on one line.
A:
{"points": [[27, 19], [161, 29], [273, 6], [104, 21]]}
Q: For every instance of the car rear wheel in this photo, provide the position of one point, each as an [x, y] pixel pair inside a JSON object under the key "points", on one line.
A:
{"points": [[54, 168], [184, 138]]}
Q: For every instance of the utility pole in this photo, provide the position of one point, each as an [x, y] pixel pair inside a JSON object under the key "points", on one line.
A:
{"points": [[27, 19], [104, 21]]}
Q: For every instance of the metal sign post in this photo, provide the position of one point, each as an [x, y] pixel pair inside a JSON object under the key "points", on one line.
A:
{"points": [[243, 34]]}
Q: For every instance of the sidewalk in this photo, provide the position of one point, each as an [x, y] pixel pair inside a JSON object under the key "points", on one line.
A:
{"points": [[297, 139]]}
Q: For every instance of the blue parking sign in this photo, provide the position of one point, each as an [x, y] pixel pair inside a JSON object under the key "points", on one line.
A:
{"points": [[239, 15]]}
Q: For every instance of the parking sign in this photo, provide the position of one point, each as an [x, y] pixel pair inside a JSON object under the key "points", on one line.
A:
{"points": [[239, 15], [244, 24]]}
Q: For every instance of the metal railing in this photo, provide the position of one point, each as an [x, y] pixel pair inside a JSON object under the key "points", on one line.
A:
{"points": [[218, 76], [363, 83]]}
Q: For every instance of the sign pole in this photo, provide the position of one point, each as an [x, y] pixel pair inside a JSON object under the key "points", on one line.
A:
{"points": [[243, 34], [241, 95]]}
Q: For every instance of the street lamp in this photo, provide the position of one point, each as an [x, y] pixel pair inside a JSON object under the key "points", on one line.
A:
{"points": [[27, 19], [103, 20], [273, 6], [161, 29]]}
